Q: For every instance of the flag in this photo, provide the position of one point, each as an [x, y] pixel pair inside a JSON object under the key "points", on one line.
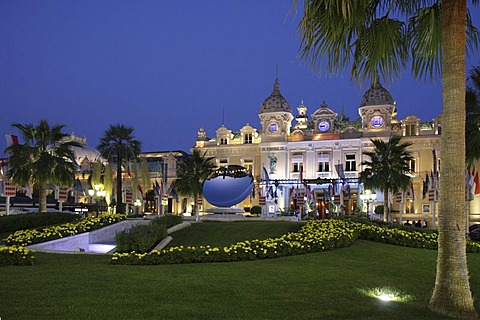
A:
{"points": [[434, 154], [174, 193], [469, 184], [477, 184], [139, 192], [340, 172], [3, 170], [265, 176], [28, 191], [432, 182], [77, 186], [473, 183], [11, 139], [346, 191], [292, 193], [426, 184], [410, 193]]}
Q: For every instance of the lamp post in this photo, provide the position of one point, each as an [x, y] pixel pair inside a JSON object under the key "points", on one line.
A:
{"points": [[368, 197], [137, 205], [98, 193]]}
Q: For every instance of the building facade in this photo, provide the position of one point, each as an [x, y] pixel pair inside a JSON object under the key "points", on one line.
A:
{"points": [[311, 163]]}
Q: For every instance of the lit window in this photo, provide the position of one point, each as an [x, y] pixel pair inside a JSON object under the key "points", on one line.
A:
{"points": [[410, 130], [412, 165], [248, 138]]}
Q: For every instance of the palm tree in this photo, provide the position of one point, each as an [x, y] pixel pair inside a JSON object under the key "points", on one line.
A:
{"points": [[370, 37], [45, 158], [119, 146], [192, 171], [386, 170], [472, 105]]}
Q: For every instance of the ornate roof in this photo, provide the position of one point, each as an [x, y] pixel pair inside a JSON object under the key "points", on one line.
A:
{"points": [[275, 102], [84, 152], [324, 112], [377, 95]]}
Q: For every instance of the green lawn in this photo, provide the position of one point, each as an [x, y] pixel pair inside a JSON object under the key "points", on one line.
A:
{"points": [[315, 286], [226, 233]]}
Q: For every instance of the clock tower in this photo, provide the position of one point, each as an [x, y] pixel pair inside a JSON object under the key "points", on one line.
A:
{"points": [[323, 119], [377, 110], [275, 116]]}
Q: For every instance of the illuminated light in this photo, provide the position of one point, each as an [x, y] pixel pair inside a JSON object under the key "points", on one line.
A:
{"points": [[387, 294], [386, 297]]}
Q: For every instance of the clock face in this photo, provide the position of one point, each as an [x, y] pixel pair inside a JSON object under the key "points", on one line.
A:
{"points": [[273, 127], [376, 121], [323, 126]]}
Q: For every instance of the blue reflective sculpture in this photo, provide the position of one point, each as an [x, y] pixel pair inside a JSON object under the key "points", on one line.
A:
{"points": [[228, 186]]}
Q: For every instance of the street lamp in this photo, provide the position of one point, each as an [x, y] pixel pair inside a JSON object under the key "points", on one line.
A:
{"points": [[368, 196], [91, 192], [98, 192], [137, 205]]}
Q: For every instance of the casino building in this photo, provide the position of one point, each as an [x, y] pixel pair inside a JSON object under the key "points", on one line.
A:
{"points": [[312, 162]]}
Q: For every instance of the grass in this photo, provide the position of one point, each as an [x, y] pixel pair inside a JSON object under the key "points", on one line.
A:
{"points": [[316, 286], [227, 233]]}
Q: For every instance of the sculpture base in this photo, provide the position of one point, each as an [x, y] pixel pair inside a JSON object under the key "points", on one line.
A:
{"points": [[220, 210]]}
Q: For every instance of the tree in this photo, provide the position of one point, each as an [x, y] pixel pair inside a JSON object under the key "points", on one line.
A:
{"points": [[472, 125], [45, 158], [192, 171], [119, 146], [386, 169], [370, 37]]}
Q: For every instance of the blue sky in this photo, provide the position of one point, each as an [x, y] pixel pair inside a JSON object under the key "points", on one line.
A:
{"points": [[167, 68]]}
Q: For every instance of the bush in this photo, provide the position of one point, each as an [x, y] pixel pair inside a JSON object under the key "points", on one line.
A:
{"points": [[169, 220], [140, 238], [256, 210], [379, 209], [15, 256], [17, 222]]}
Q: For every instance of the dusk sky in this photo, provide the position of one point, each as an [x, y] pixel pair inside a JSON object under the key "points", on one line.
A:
{"points": [[167, 68]]}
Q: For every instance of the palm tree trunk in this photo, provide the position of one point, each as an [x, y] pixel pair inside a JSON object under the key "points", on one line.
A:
{"points": [[386, 208], [42, 199], [452, 295], [119, 186]]}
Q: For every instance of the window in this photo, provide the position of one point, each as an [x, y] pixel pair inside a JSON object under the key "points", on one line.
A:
{"points": [[297, 162], [248, 138], [410, 130], [223, 162], [223, 141], [412, 165], [323, 162], [350, 162], [409, 207], [297, 167]]}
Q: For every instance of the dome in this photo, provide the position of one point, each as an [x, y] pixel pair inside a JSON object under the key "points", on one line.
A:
{"points": [[377, 95], [84, 152], [275, 102]]}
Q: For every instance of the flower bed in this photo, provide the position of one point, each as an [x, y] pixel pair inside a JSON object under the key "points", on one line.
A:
{"points": [[27, 237], [16, 256], [315, 236], [427, 239]]}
